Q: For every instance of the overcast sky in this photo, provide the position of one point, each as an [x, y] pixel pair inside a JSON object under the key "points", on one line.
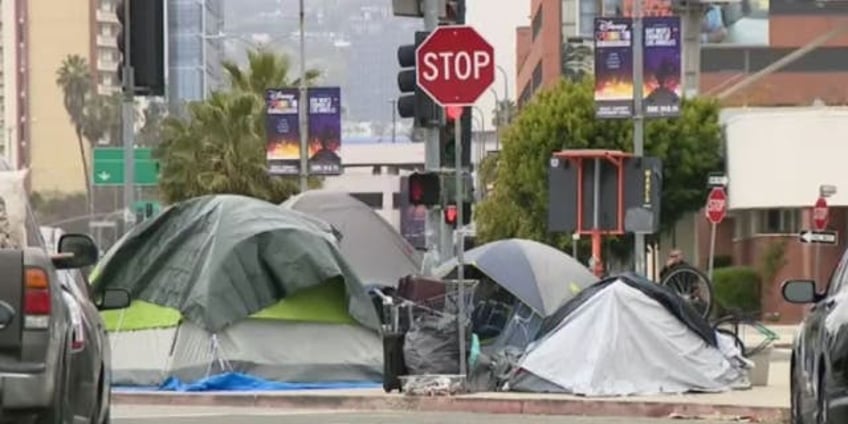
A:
{"points": [[496, 21]]}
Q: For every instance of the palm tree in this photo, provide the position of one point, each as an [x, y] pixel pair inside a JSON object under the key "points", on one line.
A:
{"points": [[265, 69], [218, 146], [75, 80]]}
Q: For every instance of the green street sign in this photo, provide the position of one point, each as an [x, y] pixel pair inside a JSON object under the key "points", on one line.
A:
{"points": [[108, 169]]}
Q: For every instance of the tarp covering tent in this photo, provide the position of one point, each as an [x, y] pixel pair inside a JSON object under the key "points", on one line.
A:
{"points": [[377, 252], [229, 283], [540, 277], [628, 336]]}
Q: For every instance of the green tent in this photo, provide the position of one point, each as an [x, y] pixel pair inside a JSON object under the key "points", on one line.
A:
{"points": [[234, 283]]}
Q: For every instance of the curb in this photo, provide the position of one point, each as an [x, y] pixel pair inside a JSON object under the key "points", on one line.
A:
{"points": [[468, 403]]}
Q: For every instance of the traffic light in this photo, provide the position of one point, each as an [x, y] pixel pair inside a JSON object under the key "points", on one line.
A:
{"points": [[414, 102], [424, 189], [451, 214], [447, 141], [145, 28]]}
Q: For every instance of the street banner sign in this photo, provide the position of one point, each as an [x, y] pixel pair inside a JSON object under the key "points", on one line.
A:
{"points": [[821, 214], [455, 65], [661, 64], [613, 67], [819, 237], [717, 205], [324, 130]]}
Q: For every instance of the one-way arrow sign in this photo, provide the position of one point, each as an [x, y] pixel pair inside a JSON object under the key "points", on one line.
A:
{"points": [[821, 237]]}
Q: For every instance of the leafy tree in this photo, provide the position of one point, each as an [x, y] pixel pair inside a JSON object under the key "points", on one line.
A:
{"points": [[103, 120], [219, 147], [265, 69], [75, 80], [564, 118]]}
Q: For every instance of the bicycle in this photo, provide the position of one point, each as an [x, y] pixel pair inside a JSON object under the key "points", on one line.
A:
{"points": [[693, 286], [731, 324]]}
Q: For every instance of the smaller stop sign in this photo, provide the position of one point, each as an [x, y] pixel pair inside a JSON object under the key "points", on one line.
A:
{"points": [[716, 205], [821, 214]]}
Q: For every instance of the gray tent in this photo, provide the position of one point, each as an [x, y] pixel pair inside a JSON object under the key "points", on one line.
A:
{"points": [[629, 336], [377, 253], [539, 276], [230, 283]]}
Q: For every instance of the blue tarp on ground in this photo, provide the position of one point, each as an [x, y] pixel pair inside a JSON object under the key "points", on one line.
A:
{"points": [[243, 382]]}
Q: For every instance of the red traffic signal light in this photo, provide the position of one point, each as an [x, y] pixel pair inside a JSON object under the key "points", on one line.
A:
{"points": [[424, 189], [451, 214]]}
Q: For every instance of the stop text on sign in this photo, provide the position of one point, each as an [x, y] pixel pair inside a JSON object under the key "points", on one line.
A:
{"points": [[820, 213], [716, 204], [450, 65]]}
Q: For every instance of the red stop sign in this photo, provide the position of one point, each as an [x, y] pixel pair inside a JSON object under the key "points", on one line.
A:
{"points": [[455, 65], [821, 214], [717, 205]]}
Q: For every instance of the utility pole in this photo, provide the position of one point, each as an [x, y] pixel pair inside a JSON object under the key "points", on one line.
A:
{"points": [[394, 120], [638, 118], [436, 229], [303, 108], [128, 124]]}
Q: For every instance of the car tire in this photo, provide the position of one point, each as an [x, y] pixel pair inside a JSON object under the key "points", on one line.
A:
{"points": [[822, 403], [795, 413]]}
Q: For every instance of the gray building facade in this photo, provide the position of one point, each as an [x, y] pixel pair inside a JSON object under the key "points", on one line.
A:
{"points": [[195, 49]]}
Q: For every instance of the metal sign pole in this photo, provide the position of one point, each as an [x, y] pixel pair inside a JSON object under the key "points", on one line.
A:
{"points": [[303, 107], [460, 245], [638, 119], [128, 121], [713, 226]]}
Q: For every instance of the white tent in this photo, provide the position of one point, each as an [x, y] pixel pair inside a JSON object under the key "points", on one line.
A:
{"points": [[628, 337]]}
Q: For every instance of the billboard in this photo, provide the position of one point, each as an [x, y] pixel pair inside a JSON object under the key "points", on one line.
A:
{"points": [[613, 67], [283, 130], [743, 23], [661, 67]]}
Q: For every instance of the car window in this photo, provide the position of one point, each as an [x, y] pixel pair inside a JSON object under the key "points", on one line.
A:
{"points": [[838, 276]]}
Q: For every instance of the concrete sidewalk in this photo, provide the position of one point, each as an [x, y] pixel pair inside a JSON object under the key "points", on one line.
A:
{"points": [[770, 404]]}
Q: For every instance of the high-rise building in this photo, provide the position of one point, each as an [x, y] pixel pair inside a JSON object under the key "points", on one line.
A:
{"points": [[106, 58], [195, 48]]}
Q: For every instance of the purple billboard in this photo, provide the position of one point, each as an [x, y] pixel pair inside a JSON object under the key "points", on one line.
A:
{"points": [[283, 132], [661, 66]]}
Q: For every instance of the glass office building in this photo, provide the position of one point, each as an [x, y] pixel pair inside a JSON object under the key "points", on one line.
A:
{"points": [[195, 49]]}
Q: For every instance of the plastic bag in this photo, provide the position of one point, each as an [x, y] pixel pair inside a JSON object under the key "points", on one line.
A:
{"points": [[432, 346]]}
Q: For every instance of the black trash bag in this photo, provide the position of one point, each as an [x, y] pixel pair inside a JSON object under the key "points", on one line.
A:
{"points": [[432, 346]]}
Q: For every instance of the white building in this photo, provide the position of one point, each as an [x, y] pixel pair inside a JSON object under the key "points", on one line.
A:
{"points": [[372, 171]]}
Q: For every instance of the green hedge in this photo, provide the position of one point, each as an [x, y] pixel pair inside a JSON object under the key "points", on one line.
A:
{"points": [[736, 288]]}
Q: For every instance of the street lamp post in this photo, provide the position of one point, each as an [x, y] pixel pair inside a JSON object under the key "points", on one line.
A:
{"points": [[302, 107]]}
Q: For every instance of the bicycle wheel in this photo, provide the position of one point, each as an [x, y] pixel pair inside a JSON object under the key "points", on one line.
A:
{"points": [[693, 286]]}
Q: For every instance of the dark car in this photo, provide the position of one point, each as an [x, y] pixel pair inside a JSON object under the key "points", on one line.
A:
{"points": [[90, 350], [41, 357], [819, 372]]}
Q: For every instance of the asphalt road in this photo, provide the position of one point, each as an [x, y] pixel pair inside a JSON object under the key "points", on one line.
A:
{"points": [[195, 415]]}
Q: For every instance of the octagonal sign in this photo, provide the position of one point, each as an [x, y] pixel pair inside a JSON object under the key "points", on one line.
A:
{"points": [[455, 65]]}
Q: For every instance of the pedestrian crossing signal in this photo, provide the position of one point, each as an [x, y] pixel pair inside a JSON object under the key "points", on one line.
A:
{"points": [[424, 189], [451, 214]]}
